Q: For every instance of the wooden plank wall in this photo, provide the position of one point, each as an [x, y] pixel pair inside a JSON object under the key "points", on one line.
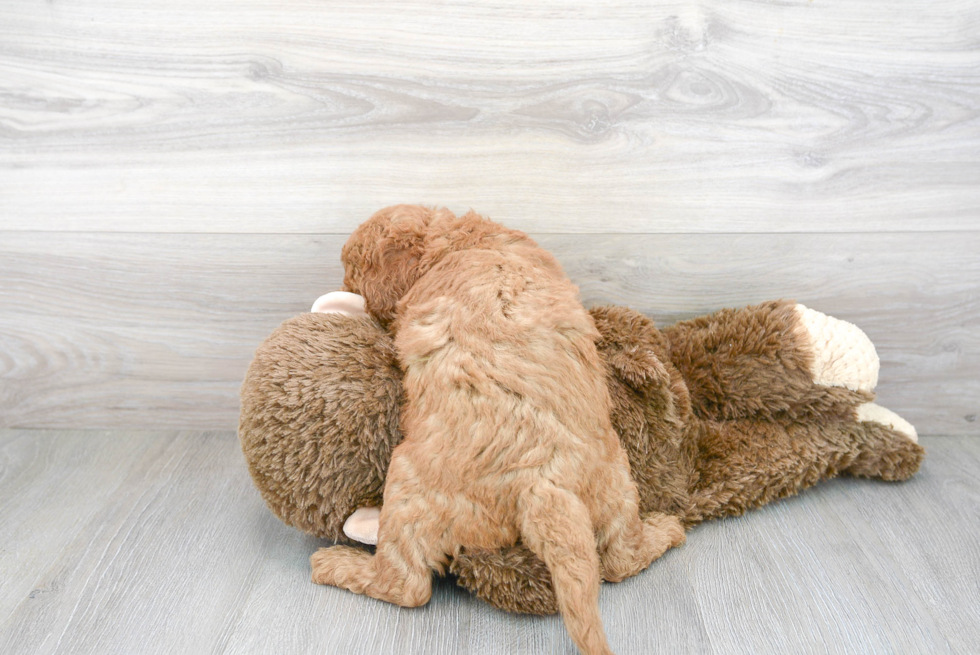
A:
{"points": [[177, 178]]}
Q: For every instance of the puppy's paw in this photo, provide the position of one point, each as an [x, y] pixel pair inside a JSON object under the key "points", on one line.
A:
{"points": [[672, 527], [667, 528], [341, 566], [843, 355], [326, 563]]}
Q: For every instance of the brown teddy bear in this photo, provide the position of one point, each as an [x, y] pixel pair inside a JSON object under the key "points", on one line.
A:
{"points": [[717, 415]]}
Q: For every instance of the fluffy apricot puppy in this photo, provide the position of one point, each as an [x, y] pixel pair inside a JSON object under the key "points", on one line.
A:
{"points": [[506, 420]]}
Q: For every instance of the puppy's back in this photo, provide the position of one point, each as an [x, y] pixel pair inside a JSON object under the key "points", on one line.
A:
{"points": [[500, 363]]}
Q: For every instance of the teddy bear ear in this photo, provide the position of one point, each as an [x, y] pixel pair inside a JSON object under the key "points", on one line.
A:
{"points": [[627, 342], [339, 302], [638, 367]]}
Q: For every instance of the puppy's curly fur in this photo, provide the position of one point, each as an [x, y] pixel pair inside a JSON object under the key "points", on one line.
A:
{"points": [[506, 421]]}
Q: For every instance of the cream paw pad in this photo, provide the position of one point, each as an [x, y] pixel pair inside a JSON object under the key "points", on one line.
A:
{"points": [[843, 355], [872, 413]]}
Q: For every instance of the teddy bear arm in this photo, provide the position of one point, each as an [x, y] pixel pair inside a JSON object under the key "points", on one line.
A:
{"points": [[773, 358]]}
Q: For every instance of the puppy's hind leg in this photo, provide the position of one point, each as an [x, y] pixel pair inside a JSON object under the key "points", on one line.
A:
{"points": [[400, 572], [627, 545], [556, 525]]}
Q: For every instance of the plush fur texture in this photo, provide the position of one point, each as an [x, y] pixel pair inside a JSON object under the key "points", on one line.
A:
{"points": [[320, 417], [701, 445], [716, 415], [506, 422]]}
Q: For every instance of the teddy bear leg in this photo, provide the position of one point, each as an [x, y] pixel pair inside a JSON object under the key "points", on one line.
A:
{"points": [[628, 545], [774, 358], [363, 525], [744, 464], [888, 446]]}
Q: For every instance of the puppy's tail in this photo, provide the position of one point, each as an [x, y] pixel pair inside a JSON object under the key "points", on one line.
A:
{"points": [[557, 527]]}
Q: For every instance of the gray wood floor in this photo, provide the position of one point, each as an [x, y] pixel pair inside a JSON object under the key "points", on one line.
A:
{"points": [[140, 542]]}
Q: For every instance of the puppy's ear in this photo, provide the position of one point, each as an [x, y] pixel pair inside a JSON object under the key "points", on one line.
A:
{"points": [[384, 257], [385, 285]]}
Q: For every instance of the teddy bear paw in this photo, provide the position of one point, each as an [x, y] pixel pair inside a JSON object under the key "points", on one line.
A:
{"points": [[843, 355], [872, 413]]}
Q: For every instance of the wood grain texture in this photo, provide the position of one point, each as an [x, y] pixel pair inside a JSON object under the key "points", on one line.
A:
{"points": [[157, 543], [802, 575], [618, 116], [36, 468], [156, 331]]}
